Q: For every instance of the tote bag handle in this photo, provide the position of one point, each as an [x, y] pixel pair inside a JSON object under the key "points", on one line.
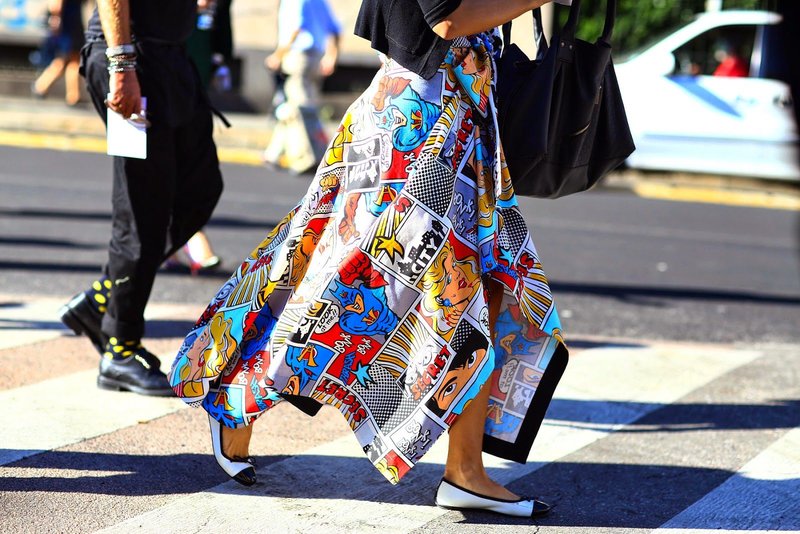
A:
{"points": [[568, 31]]}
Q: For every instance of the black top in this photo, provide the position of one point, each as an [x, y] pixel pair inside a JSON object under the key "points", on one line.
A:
{"points": [[401, 29], [170, 21]]}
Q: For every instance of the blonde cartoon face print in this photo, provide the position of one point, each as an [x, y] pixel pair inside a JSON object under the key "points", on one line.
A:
{"points": [[449, 284]]}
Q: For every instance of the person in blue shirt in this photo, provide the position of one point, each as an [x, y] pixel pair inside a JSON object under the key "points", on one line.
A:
{"points": [[308, 46]]}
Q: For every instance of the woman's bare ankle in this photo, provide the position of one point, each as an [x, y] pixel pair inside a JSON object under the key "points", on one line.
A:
{"points": [[236, 442]]}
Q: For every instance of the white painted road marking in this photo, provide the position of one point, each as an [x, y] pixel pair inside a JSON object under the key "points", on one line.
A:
{"points": [[652, 377]]}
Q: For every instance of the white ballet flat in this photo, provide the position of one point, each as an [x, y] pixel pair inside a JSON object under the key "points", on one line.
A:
{"points": [[454, 497], [242, 472]]}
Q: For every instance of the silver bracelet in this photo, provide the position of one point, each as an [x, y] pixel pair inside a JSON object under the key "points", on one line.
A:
{"points": [[120, 50], [121, 66], [122, 62]]}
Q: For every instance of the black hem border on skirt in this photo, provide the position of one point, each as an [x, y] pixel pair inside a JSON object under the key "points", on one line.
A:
{"points": [[519, 450]]}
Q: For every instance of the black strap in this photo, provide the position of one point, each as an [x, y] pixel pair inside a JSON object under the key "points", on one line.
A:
{"points": [[538, 34], [219, 114], [539, 38], [611, 15], [568, 32]]}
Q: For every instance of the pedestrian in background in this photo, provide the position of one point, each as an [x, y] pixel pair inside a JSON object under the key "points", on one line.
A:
{"points": [[404, 289], [211, 43], [308, 47], [65, 39], [210, 47], [159, 202]]}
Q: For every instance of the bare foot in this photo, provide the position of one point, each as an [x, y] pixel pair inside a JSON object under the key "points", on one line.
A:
{"points": [[236, 442]]}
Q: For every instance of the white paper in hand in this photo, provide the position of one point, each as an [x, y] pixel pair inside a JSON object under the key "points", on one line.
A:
{"points": [[124, 138]]}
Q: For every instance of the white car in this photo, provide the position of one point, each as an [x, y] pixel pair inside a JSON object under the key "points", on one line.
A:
{"points": [[686, 114]]}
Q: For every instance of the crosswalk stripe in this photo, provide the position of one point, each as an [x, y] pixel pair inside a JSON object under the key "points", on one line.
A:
{"points": [[349, 495], [61, 411], [771, 479], [28, 321]]}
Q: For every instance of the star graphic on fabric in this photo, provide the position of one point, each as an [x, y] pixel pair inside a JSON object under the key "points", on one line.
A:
{"points": [[506, 255], [390, 246], [362, 374]]}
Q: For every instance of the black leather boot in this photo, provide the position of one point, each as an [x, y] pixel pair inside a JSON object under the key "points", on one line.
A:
{"points": [[83, 318], [139, 373]]}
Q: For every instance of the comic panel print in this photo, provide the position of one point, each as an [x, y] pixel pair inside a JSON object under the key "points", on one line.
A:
{"points": [[328, 391], [405, 239], [463, 212], [416, 436], [449, 286], [393, 466], [524, 353], [399, 110], [424, 368], [468, 361]]}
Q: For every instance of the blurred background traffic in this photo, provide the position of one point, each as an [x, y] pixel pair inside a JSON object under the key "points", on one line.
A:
{"points": [[706, 82]]}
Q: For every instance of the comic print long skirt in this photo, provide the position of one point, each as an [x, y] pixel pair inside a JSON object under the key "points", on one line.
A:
{"points": [[371, 294]]}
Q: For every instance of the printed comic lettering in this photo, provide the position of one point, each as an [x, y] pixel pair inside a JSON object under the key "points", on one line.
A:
{"points": [[323, 386], [365, 345], [429, 375], [241, 378], [422, 254], [410, 445], [359, 415], [347, 398], [367, 168], [411, 158], [347, 367], [260, 262], [463, 207], [340, 345], [329, 318]]}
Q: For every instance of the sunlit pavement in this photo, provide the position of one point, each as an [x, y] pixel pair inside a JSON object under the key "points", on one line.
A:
{"points": [[641, 436], [678, 411]]}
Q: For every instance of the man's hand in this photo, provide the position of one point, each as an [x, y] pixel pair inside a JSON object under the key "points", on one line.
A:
{"points": [[274, 60], [327, 64], [125, 95]]}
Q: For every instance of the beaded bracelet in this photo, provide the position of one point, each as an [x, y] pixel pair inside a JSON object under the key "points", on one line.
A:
{"points": [[121, 65], [121, 69]]}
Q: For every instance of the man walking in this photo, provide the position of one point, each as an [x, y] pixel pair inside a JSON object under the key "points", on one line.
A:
{"points": [[308, 46], [136, 49]]}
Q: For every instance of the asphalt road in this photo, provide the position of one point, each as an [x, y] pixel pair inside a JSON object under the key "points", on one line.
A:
{"points": [[678, 410], [620, 266]]}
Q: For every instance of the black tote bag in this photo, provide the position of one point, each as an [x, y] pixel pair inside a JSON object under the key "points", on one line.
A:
{"points": [[562, 121]]}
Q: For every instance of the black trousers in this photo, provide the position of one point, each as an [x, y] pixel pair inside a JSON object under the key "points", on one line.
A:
{"points": [[158, 203]]}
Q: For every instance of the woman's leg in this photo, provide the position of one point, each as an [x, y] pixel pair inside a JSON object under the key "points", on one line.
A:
{"points": [[464, 465], [49, 76], [236, 442], [72, 79]]}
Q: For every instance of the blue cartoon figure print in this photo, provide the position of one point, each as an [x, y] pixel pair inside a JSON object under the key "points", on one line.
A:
{"points": [[400, 110], [366, 311]]}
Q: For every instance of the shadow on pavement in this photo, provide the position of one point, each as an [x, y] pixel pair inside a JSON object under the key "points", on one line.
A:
{"points": [[219, 221], [605, 416], [582, 494], [640, 294], [42, 243], [156, 328]]}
